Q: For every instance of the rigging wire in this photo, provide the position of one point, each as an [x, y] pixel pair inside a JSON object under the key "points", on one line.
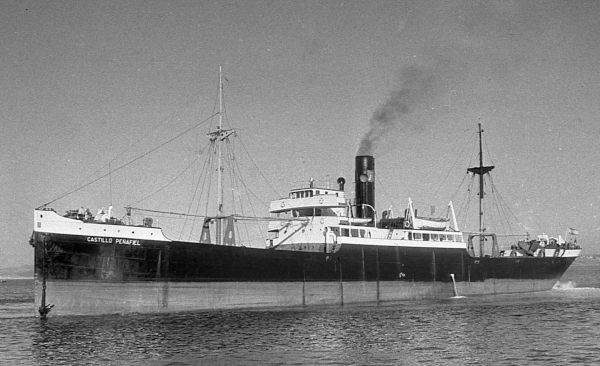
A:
{"points": [[209, 163], [193, 200], [168, 184], [233, 184], [170, 116], [206, 172], [503, 224], [250, 191], [458, 189], [257, 168], [463, 211], [385, 192], [130, 162], [504, 204], [443, 181], [237, 172]]}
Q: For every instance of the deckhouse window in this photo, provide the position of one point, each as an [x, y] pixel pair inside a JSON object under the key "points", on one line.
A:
{"points": [[306, 212], [418, 236]]}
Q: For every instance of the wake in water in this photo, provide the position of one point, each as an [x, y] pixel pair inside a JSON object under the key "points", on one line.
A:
{"points": [[571, 286]]}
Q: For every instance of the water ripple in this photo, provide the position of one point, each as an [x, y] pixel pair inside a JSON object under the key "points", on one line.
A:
{"points": [[559, 327]]}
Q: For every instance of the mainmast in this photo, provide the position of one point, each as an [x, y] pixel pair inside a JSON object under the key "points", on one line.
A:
{"points": [[218, 137], [481, 170]]}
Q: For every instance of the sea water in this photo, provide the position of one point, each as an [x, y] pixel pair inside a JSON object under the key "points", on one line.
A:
{"points": [[557, 327]]}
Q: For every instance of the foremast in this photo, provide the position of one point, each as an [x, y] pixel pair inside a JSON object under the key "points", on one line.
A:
{"points": [[218, 137]]}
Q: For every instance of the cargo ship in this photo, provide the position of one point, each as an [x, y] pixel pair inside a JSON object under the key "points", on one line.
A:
{"points": [[321, 248]]}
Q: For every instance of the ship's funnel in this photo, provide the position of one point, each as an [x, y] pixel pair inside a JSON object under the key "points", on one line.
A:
{"points": [[365, 186]]}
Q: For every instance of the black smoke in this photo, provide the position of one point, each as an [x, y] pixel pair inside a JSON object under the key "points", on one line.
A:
{"points": [[415, 87]]}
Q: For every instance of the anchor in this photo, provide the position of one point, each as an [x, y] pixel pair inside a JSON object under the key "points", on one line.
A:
{"points": [[45, 309]]}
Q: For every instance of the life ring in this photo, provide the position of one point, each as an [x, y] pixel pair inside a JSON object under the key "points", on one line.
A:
{"points": [[322, 220], [321, 200], [406, 225], [282, 204]]}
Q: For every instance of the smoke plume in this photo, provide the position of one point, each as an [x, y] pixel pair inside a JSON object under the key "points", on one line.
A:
{"points": [[416, 85]]}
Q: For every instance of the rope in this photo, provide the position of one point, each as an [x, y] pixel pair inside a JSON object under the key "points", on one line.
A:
{"points": [[130, 162]]}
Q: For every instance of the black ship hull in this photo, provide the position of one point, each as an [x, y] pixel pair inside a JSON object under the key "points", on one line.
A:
{"points": [[82, 277]]}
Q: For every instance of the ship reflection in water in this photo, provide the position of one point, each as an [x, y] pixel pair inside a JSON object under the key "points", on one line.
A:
{"points": [[434, 333], [551, 327]]}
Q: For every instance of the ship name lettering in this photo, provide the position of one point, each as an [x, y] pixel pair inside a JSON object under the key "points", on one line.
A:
{"points": [[96, 239], [128, 241]]}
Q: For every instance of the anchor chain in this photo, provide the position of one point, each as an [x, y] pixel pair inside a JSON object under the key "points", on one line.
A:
{"points": [[44, 308]]}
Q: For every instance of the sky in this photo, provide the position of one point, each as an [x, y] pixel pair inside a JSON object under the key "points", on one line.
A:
{"points": [[90, 86]]}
